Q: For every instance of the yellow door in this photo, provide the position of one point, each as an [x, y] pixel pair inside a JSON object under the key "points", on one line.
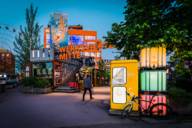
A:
{"points": [[124, 78]]}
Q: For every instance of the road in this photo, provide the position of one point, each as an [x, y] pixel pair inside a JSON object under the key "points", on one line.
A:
{"points": [[66, 110]]}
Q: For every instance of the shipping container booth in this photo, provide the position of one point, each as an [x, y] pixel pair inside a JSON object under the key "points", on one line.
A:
{"points": [[124, 78], [154, 57], [42, 63], [153, 78], [161, 98], [43, 70]]}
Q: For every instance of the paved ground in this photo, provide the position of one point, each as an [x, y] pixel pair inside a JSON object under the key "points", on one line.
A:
{"points": [[66, 110]]}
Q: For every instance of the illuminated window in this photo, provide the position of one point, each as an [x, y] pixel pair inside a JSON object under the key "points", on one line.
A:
{"points": [[38, 53], [87, 54], [33, 54], [76, 40], [91, 43], [92, 54], [98, 55], [90, 38], [43, 53]]}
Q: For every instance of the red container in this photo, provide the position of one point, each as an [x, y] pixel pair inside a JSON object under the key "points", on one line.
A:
{"points": [[73, 85], [156, 99]]}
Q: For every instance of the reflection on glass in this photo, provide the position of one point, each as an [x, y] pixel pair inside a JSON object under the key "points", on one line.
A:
{"points": [[119, 76]]}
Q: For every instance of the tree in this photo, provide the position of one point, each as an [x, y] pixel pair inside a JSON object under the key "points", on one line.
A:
{"points": [[157, 23], [153, 23], [27, 38], [179, 38]]}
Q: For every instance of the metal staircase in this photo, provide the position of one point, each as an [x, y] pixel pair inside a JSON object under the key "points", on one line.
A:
{"points": [[70, 68]]}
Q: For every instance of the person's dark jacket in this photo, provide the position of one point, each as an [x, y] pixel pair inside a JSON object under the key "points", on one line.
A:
{"points": [[87, 82]]}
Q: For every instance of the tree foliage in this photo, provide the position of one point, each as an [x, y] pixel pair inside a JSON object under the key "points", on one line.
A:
{"points": [[153, 23], [27, 38]]}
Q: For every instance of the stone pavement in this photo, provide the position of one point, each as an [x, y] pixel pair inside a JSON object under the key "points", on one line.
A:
{"points": [[65, 110]]}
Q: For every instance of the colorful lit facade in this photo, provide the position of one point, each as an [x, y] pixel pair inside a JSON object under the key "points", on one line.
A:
{"points": [[72, 41], [56, 32], [87, 43]]}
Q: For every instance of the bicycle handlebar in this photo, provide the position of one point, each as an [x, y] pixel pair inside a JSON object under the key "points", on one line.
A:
{"points": [[133, 97]]}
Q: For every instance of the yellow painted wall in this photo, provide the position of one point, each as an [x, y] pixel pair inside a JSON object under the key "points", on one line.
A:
{"points": [[131, 82]]}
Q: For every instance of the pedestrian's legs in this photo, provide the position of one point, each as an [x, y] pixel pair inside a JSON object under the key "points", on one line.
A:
{"points": [[84, 93], [90, 93]]}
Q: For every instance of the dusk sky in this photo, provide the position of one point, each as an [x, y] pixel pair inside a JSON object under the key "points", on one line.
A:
{"points": [[95, 15]]}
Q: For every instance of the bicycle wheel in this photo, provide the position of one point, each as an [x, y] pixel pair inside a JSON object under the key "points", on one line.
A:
{"points": [[126, 111], [161, 110]]}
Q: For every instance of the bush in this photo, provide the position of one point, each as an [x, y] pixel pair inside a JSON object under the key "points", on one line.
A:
{"points": [[180, 96], [35, 82], [184, 84]]}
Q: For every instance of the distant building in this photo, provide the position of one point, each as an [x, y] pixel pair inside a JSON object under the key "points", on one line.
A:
{"points": [[7, 62], [72, 41]]}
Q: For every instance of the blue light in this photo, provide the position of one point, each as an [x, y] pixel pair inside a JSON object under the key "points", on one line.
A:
{"points": [[76, 40]]}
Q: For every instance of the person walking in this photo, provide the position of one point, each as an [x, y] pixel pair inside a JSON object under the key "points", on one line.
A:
{"points": [[87, 86]]}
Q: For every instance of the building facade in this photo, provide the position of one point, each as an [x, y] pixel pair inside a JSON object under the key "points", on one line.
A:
{"points": [[7, 62], [72, 41]]}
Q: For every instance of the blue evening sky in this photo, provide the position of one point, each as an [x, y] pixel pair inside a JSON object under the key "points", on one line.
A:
{"points": [[95, 15]]}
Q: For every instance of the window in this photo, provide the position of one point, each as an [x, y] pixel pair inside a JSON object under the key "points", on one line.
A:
{"points": [[90, 37], [76, 40], [119, 76], [90, 43], [119, 95], [33, 53], [98, 54], [38, 53]]}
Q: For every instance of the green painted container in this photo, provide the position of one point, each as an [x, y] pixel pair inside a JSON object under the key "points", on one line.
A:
{"points": [[154, 80]]}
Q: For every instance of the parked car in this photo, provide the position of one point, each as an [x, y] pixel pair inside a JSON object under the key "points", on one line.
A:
{"points": [[11, 81]]}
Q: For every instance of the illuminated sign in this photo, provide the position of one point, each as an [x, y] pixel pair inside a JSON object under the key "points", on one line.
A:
{"points": [[119, 95]]}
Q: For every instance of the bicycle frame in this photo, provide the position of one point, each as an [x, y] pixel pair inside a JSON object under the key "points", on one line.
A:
{"points": [[141, 109]]}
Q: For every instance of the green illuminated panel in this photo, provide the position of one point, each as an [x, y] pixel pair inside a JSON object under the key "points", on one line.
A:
{"points": [[153, 80]]}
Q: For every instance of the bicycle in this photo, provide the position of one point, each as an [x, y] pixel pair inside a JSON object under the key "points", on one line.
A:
{"points": [[153, 110]]}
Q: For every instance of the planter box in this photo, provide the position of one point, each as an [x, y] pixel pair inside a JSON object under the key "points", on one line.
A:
{"points": [[36, 90]]}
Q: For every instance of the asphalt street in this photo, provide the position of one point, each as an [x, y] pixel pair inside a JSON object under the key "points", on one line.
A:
{"points": [[66, 110]]}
